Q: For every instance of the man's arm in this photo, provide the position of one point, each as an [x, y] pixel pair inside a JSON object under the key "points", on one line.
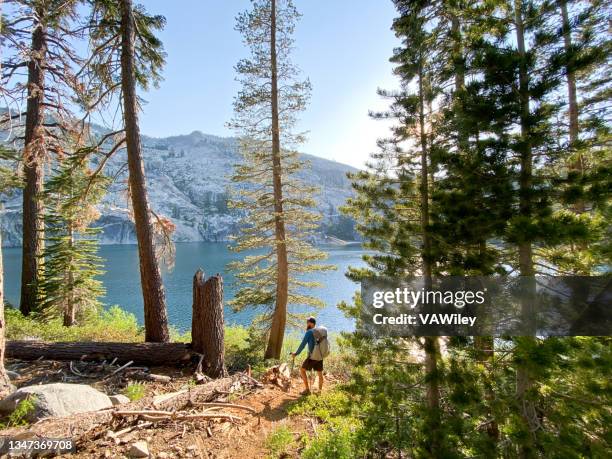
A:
{"points": [[302, 345]]}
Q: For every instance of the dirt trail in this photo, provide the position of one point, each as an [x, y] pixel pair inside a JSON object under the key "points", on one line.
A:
{"points": [[244, 438], [211, 439]]}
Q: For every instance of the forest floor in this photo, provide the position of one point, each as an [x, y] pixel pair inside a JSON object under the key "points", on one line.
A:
{"points": [[247, 436]]}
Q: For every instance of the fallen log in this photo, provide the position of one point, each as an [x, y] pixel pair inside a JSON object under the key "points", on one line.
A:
{"points": [[174, 416], [204, 393], [227, 405], [161, 354]]}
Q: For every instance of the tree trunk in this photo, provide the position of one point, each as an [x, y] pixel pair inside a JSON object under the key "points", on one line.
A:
{"points": [[279, 318], [70, 308], [524, 382], [572, 100], [484, 345], [571, 77], [5, 384], [459, 60], [207, 327], [34, 157], [485, 351], [141, 353], [432, 345], [155, 314]]}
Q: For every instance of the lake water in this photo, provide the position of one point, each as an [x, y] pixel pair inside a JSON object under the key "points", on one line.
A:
{"points": [[122, 280]]}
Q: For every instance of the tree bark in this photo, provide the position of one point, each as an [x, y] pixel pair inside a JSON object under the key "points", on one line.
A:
{"points": [[572, 99], [207, 326], [70, 307], [432, 345], [571, 76], [524, 381], [155, 314], [34, 157], [279, 318], [5, 384], [141, 353]]}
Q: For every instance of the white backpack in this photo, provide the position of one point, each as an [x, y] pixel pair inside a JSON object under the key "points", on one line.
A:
{"points": [[321, 349]]}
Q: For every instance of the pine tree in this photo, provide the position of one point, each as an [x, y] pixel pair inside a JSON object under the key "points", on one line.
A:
{"points": [[393, 206], [276, 205], [579, 45], [38, 40], [499, 188], [128, 54], [513, 100], [70, 286]]}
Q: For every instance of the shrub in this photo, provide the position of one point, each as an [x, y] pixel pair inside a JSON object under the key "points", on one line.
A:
{"points": [[333, 442], [326, 407], [134, 391], [19, 417], [337, 436], [279, 442], [113, 324]]}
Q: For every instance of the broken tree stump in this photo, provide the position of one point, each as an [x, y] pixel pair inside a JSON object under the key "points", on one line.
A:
{"points": [[207, 325], [279, 375]]}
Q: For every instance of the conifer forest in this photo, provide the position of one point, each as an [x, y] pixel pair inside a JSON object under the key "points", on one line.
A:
{"points": [[396, 244]]}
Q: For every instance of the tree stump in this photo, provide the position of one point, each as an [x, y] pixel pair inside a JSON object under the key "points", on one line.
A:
{"points": [[207, 326]]}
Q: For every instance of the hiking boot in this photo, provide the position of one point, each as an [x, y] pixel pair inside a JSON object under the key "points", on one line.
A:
{"points": [[305, 392]]}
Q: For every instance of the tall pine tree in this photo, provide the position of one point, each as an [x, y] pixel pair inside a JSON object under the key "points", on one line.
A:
{"points": [[38, 70], [276, 205], [393, 208], [127, 54], [499, 190]]}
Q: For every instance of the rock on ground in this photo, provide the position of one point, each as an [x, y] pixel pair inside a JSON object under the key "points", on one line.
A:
{"points": [[55, 400], [119, 399], [139, 449]]}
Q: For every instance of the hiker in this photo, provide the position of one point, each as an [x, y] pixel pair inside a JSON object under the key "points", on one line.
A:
{"points": [[314, 337]]}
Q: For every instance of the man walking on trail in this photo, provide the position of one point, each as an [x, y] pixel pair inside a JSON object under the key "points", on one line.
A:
{"points": [[309, 364]]}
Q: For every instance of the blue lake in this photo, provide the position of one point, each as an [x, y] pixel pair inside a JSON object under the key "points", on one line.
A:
{"points": [[123, 286]]}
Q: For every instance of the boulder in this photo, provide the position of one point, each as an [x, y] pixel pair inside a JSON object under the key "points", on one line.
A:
{"points": [[139, 449], [55, 400], [119, 399]]}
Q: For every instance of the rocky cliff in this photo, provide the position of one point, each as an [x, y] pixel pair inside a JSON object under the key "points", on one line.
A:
{"points": [[188, 179]]}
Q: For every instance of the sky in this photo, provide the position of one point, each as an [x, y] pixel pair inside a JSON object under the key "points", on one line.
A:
{"points": [[342, 46]]}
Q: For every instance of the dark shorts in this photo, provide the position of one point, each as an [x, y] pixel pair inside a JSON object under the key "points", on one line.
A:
{"points": [[316, 365]]}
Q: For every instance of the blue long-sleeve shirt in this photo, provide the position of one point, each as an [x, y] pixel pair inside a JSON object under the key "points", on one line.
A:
{"points": [[308, 339]]}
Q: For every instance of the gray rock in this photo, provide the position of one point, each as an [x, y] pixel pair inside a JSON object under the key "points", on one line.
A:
{"points": [[119, 399], [56, 400], [139, 449], [12, 374], [187, 179]]}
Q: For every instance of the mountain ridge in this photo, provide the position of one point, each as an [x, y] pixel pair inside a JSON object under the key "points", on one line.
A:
{"points": [[187, 181]]}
